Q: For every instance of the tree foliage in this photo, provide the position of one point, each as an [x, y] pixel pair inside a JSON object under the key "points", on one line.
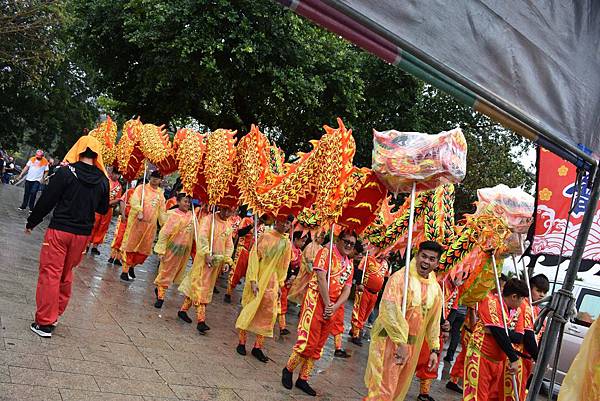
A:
{"points": [[45, 101], [230, 64]]}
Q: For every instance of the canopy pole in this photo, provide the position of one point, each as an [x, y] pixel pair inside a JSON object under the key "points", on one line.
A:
{"points": [[562, 301], [499, 291], [411, 217]]}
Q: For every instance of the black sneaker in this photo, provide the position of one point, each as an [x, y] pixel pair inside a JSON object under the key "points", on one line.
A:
{"points": [[241, 349], [258, 354], [454, 387], [304, 386], [124, 276], [21, 209], [131, 272], [356, 341], [111, 261], [227, 299], [159, 303], [42, 331], [286, 379], [95, 251], [118, 262], [341, 353], [202, 328], [425, 397], [184, 316], [284, 332]]}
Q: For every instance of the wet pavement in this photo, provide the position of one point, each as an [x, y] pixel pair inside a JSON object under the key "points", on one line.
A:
{"points": [[112, 344]]}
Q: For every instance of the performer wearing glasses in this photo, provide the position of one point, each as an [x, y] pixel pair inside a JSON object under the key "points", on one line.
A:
{"points": [[323, 299]]}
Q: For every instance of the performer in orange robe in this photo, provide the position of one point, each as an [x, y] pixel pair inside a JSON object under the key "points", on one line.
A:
{"points": [[245, 240], [199, 283], [300, 285], [323, 299], [368, 286], [116, 256], [292, 273], [174, 246], [142, 223], [395, 339], [539, 285], [102, 221], [490, 346], [267, 270]]}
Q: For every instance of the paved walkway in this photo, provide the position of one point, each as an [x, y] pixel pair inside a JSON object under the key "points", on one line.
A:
{"points": [[112, 344]]}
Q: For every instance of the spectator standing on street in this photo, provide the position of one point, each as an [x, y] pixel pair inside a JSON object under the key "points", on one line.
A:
{"points": [[76, 192], [9, 170], [36, 170]]}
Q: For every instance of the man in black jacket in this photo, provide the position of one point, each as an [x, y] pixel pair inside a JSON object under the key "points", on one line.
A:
{"points": [[76, 192]]}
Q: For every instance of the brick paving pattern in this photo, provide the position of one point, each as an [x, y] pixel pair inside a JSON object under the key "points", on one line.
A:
{"points": [[112, 344]]}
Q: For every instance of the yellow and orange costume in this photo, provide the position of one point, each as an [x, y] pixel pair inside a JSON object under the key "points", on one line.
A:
{"points": [[583, 378], [485, 375], [102, 221], [313, 328], [174, 244], [300, 284], [140, 234], [199, 283], [375, 272], [384, 379], [117, 242], [267, 266]]}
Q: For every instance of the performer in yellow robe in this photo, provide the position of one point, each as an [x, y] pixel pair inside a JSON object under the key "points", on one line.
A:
{"points": [[199, 283], [267, 270], [395, 340], [300, 284], [141, 223], [174, 246], [583, 378]]}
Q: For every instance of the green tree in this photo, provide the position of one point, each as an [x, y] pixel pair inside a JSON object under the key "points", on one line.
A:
{"points": [[45, 100], [223, 63]]}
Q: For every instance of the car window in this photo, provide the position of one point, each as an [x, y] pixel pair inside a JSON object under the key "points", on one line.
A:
{"points": [[588, 307]]}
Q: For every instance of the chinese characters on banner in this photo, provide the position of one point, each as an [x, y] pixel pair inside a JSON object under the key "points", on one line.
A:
{"points": [[556, 186]]}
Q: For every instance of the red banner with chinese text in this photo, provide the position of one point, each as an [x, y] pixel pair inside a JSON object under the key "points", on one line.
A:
{"points": [[556, 185]]}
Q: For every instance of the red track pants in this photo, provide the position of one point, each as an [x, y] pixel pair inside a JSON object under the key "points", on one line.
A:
{"points": [[61, 252]]}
